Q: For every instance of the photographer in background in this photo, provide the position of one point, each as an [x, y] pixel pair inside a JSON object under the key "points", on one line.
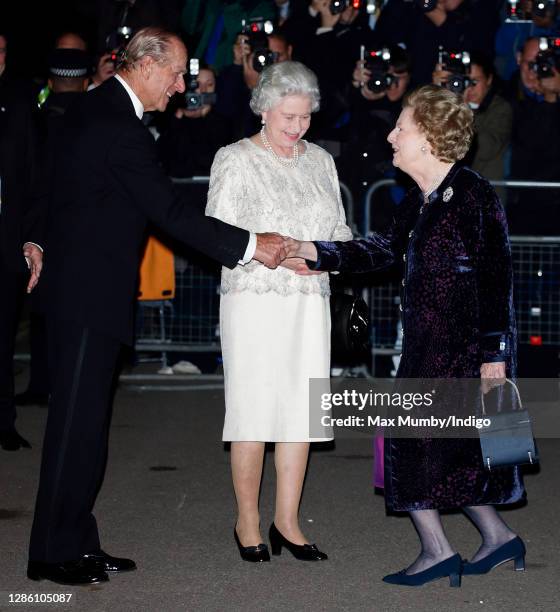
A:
{"points": [[329, 44], [453, 24], [214, 24], [535, 152], [252, 52], [492, 115], [523, 20], [194, 132], [105, 69], [379, 87]]}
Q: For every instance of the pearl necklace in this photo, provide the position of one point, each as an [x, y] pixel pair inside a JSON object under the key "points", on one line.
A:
{"points": [[435, 184], [285, 161]]}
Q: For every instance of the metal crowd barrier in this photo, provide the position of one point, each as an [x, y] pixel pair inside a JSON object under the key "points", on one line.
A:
{"points": [[189, 323], [536, 268]]}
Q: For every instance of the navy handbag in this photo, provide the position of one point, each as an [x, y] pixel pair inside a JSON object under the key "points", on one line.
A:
{"points": [[508, 439]]}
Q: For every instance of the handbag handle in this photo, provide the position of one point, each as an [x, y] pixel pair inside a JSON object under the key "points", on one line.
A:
{"points": [[516, 392]]}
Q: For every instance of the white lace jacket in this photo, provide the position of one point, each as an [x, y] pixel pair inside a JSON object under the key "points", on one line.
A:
{"points": [[251, 189]]}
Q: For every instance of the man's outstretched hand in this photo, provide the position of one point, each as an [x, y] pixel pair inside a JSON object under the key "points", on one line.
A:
{"points": [[270, 249], [34, 257]]}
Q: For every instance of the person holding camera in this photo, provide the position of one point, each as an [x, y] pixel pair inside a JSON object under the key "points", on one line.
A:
{"points": [[425, 25], [328, 41], [252, 52], [194, 133], [535, 151], [215, 25], [523, 20], [376, 96], [492, 115]]}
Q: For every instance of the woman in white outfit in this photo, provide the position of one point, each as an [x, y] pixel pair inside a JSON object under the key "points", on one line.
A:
{"points": [[275, 324]]}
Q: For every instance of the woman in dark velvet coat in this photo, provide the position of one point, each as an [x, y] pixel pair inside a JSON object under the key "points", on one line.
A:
{"points": [[458, 323]]}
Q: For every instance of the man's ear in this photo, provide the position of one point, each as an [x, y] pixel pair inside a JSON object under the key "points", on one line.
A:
{"points": [[146, 65], [290, 50], [518, 58]]}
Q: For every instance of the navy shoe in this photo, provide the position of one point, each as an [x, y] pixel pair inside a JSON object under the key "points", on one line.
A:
{"points": [[451, 567], [514, 550]]}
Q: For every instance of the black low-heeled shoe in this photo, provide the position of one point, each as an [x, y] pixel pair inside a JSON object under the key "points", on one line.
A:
{"points": [[451, 567], [303, 552], [255, 554], [514, 550]]}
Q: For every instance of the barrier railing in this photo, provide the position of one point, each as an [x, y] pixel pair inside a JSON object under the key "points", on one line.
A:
{"points": [[191, 322]]}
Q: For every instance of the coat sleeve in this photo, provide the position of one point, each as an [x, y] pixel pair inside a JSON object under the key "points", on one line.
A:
{"points": [[133, 163], [492, 255], [368, 254], [375, 252]]}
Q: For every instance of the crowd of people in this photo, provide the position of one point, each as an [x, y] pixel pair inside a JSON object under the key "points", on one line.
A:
{"points": [[367, 56], [409, 87]]}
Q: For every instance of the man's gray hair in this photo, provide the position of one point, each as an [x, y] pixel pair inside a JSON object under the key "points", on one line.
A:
{"points": [[284, 79], [154, 42]]}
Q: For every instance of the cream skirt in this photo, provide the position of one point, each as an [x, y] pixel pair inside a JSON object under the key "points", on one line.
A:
{"points": [[272, 345]]}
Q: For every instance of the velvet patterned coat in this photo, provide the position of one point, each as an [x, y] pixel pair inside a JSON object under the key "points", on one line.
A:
{"points": [[457, 313]]}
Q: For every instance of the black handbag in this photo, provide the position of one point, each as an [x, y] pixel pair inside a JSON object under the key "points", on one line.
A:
{"points": [[508, 439], [349, 327]]}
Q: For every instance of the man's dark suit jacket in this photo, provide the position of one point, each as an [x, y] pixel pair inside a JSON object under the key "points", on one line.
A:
{"points": [[107, 186]]}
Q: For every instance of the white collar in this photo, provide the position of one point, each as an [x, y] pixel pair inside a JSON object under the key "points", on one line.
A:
{"points": [[138, 106]]}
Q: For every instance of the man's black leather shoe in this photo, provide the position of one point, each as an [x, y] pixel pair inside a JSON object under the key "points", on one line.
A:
{"points": [[10, 440], [101, 561], [69, 572], [30, 398]]}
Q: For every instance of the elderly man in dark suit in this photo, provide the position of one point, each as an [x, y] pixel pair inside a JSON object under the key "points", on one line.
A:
{"points": [[107, 185]]}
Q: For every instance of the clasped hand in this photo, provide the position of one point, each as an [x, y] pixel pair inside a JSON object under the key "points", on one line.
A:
{"points": [[275, 250]]}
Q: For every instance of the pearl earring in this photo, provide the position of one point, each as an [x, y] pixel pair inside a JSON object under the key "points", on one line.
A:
{"points": [[423, 149], [263, 122]]}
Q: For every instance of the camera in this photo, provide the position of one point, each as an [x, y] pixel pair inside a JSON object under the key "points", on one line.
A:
{"points": [[118, 39], [194, 99], [378, 63], [257, 31], [339, 6], [548, 57], [541, 8], [458, 64], [426, 5], [116, 43]]}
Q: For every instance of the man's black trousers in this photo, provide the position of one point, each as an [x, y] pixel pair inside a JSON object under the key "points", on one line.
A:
{"points": [[82, 365]]}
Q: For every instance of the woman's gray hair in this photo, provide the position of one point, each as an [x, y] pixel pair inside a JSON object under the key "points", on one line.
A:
{"points": [[284, 79], [154, 42]]}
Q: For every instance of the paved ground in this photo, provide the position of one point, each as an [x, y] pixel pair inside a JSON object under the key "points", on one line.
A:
{"points": [[167, 502]]}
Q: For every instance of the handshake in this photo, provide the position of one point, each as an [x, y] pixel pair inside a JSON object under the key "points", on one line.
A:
{"points": [[274, 250]]}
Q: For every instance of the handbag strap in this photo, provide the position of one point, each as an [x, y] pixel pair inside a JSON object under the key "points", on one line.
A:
{"points": [[516, 392]]}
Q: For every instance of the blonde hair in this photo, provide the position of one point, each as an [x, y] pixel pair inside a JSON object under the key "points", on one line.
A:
{"points": [[153, 42], [444, 118]]}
